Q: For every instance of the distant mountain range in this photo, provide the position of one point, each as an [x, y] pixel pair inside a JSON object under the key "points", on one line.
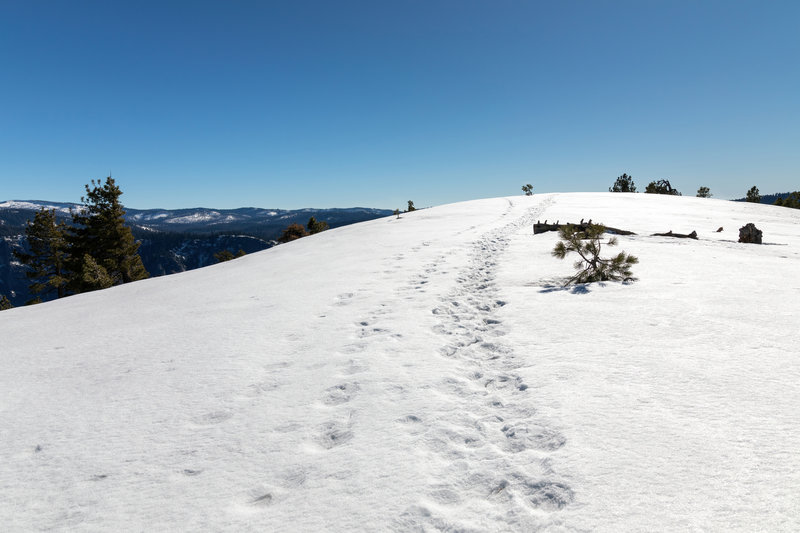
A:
{"points": [[173, 240]]}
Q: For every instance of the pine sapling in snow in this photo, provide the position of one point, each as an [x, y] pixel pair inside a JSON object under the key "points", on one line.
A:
{"points": [[591, 267]]}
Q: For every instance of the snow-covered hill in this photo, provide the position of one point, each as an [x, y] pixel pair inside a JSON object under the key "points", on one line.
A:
{"points": [[423, 373]]}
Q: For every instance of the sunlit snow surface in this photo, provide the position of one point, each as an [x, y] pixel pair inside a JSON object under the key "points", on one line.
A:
{"points": [[421, 374]]}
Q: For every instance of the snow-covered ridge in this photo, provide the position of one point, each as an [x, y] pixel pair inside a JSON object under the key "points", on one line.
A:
{"points": [[181, 219], [17, 204], [423, 373]]}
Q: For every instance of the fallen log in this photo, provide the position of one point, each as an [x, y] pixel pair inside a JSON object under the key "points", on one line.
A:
{"points": [[542, 227], [692, 235]]}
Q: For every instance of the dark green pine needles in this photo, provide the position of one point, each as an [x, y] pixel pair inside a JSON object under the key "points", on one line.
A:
{"points": [[103, 251], [591, 267], [47, 255]]}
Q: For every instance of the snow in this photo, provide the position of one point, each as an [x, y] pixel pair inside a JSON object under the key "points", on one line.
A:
{"points": [[148, 216], [203, 216], [423, 373], [17, 204]]}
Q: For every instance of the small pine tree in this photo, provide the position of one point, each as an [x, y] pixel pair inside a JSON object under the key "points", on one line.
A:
{"points": [[397, 212], [704, 192], [411, 206], [99, 232], [591, 267], [793, 200], [527, 189], [292, 233], [223, 255], [4, 303], [661, 187], [227, 255], [753, 195], [48, 255], [624, 183], [315, 226]]}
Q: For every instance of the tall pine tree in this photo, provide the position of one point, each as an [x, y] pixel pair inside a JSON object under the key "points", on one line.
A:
{"points": [[47, 260], [103, 251]]}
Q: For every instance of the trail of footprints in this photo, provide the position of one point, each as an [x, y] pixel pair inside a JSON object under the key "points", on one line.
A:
{"points": [[493, 423], [496, 421]]}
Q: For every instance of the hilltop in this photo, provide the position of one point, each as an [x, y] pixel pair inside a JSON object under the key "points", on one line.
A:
{"points": [[423, 373]]}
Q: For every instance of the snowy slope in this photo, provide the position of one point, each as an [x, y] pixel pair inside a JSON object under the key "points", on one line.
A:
{"points": [[426, 373]]}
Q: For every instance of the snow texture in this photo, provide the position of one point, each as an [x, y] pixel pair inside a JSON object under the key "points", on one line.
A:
{"points": [[17, 204], [426, 373]]}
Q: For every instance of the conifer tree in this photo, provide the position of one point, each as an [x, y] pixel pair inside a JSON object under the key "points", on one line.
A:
{"points": [[102, 247], [315, 226], [411, 206], [624, 183], [591, 267], [223, 255], [793, 200], [94, 276], [227, 255], [704, 192], [292, 233], [47, 260], [527, 189], [4, 303], [661, 187], [753, 195]]}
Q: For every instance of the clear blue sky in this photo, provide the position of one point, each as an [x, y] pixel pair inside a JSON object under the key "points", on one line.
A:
{"points": [[343, 103]]}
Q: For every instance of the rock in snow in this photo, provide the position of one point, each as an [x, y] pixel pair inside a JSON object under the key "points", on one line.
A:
{"points": [[424, 373], [749, 233]]}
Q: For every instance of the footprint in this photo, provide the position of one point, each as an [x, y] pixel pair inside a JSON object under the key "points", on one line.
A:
{"points": [[445, 496], [294, 478], [412, 423], [354, 367], [344, 298], [341, 393], [504, 381], [258, 498], [214, 417], [255, 389], [333, 434], [522, 438], [548, 494], [371, 332]]}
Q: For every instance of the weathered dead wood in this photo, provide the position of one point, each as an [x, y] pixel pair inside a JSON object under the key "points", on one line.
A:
{"points": [[543, 227], [692, 235]]}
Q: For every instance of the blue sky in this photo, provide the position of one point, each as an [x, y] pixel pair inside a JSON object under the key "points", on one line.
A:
{"points": [[335, 104]]}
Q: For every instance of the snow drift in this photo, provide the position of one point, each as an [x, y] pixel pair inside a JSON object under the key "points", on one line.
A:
{"points": [[423, 373]]}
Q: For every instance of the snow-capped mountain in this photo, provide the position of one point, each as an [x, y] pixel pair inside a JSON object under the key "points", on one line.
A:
{"points": [[173, 240], [201, 219], [426, 373]]}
